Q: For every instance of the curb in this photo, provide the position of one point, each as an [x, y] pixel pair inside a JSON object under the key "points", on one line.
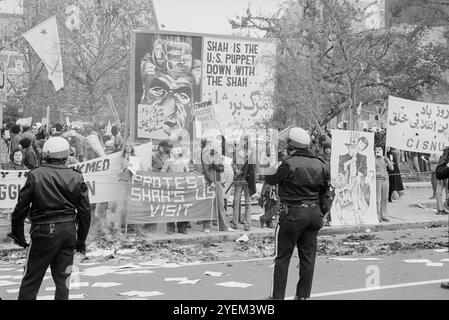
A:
{"points": [[257, 235]]}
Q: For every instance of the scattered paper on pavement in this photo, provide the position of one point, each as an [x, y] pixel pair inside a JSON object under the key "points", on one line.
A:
{"points": [[175, 279], [134, 272], [6, 277], [100, 253], [371, 259], [445, 260], [190, 281], [344, 259], [141, 294], [418, 261], [171, 265], [434, 264], [243, 238], [441, 250], [105, 284], [234, 284], [215, 274], [7, 269]]}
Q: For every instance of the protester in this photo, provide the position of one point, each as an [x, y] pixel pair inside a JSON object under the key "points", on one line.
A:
{"points": [[433, 162], [244, 181], [159, 157], [125, 176], [16, 162], [94, 147], [442, 173], [441, 186], [212, 167], [27, 134], [327, 147], [4, 147], [15, 137], [394, 176], [118, 140], [56, 200], [382, 183], [29, 158], [71, 158], [174, 164]]}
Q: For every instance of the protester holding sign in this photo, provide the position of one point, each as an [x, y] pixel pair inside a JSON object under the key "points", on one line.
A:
{"points": [[382, 184], [176, 164], [244, 181], [213, 168]]}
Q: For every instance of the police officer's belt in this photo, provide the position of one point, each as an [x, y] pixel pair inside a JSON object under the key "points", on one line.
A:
{"points": [[303, 204]]}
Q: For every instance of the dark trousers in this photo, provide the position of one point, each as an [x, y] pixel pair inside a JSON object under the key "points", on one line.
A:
{"points": [[298, 228], [182, 226], [54, 246]]}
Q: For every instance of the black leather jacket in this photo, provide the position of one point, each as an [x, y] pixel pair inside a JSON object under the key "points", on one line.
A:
{"points": [[53, 193], [442, 170], [301, 176]]}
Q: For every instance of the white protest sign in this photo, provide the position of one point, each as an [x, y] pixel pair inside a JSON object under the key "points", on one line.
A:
{"points": [[353, 175], [417, 126], [101, 176], [26, 122], [239, 73], [205, 115]]}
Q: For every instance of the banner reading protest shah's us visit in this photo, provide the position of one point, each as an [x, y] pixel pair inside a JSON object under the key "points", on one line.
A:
{"points": [[168, 197], [417, 126], [353, 174], [174, 72]]}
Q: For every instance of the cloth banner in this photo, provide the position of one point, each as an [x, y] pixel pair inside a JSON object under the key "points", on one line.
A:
{"points": [[44, 39], [353, 174], [101, 176], [417, 126], [169, 197]]}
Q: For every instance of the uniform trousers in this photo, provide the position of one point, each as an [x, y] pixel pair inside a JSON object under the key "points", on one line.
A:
{"points": [[299, 227], [52, 245]]}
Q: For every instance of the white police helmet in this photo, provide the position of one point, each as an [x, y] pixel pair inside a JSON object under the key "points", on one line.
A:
{"points": [[298, 138], [56, 148]]}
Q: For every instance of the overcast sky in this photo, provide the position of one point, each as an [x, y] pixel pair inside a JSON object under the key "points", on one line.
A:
{"points": [[207, 16], [202, 16]]}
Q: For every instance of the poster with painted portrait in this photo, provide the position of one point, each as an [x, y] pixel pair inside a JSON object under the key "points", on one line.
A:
{"points": [[353, 174], [167, 83]]}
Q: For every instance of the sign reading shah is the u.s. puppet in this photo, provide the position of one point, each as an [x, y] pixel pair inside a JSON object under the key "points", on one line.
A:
{"points": [[417, 126]]}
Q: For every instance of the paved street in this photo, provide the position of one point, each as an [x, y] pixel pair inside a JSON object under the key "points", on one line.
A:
{"points": [[334, 279]]}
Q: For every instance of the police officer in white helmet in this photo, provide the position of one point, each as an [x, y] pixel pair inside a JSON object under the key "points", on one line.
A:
{"points": [[303, 181], [56, 199]]}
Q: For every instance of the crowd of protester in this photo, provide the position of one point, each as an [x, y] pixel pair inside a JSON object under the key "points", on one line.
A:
{"points": [[24, 147]]}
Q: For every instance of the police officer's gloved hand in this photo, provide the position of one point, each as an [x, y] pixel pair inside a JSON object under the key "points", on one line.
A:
{"points": [[80, 247]]}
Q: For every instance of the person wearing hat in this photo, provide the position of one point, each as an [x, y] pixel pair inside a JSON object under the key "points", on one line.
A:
{"points": [[302, 180], [56, 200]]}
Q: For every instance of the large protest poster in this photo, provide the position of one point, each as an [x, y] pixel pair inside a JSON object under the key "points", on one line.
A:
{"points": [[353, 174], [167, 71], [166, 197], [171, 72], [417, 126], [101, 176], [239, 74]]}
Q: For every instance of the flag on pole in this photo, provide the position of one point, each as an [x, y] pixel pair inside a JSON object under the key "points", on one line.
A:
{"points": [[44, 39], [359, 109]]}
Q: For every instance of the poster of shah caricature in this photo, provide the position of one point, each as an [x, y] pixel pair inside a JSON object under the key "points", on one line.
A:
{"points": [[354, 178], [176, 74]]}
